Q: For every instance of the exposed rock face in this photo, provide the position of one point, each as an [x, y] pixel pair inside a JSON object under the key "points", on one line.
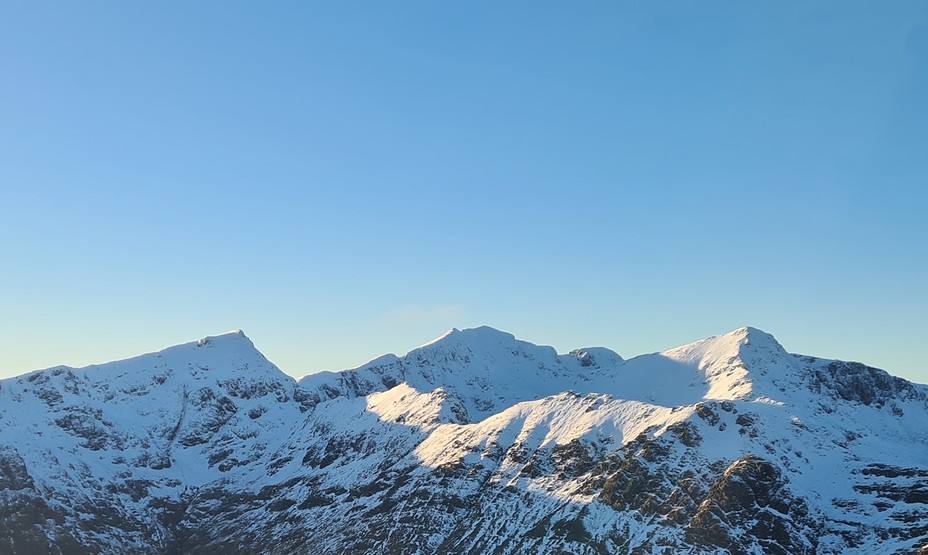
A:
{"points": [[25, 519], [853, 381], [476, 443], [752, 496]]}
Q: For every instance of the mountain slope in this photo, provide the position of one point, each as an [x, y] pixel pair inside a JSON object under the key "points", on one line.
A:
{"points": [[474, 443]]}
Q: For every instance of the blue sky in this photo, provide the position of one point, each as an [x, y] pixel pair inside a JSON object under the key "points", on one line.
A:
{"points": [[346, 179]]}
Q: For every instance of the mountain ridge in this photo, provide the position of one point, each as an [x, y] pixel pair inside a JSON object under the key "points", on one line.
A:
{"points": [[475, 442]]}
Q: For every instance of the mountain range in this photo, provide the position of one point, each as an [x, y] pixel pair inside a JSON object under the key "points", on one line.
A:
{"points": [[475, 443]]}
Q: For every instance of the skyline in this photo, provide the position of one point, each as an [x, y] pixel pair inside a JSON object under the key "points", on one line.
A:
{"points": [[401, 353], [345, 181]]}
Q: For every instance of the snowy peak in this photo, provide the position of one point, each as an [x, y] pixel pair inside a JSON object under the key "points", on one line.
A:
{"points": [[224, 356], [224, 338], [483, 338], [474, 443], [165, 418], [743, 342], [734, 365], [483, 370], [487, 369], [501, 350], [756, 345], [231, 355]]}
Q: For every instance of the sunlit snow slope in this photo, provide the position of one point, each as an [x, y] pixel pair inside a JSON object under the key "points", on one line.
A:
{"points": [[474, 443]]}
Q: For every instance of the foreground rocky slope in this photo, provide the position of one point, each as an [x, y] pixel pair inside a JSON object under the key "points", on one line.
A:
{"points": [[475, 443]]}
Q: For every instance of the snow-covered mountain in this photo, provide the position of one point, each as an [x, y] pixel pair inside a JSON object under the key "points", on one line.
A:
{"points": [[474, 443]]}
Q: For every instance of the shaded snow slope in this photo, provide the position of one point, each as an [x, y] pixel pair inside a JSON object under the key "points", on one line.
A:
{"points": [[473, 443]]}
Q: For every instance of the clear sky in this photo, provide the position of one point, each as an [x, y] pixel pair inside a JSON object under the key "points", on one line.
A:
{"points": [[344, 179]]}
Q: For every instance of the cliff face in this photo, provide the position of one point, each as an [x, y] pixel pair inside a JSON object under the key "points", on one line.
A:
{"points": [[474, 443]]}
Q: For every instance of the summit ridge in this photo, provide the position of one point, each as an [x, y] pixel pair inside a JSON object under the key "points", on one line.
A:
{"points": [[475, 442]]}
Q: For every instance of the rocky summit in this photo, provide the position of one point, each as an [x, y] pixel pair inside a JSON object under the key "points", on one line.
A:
{"points": [[476, 443]]}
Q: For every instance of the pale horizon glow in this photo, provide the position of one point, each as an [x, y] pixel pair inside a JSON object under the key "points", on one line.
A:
{"points": [[343, 181]]}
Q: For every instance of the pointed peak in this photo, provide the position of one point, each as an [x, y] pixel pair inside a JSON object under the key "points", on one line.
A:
{"points": [[748, 330], [734, 343], [226, 354], [231, 343], [755, 337], [487, 332], [233, 335]]}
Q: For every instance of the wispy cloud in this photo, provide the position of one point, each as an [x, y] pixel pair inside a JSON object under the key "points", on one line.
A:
{"points": [[415, 315]]}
